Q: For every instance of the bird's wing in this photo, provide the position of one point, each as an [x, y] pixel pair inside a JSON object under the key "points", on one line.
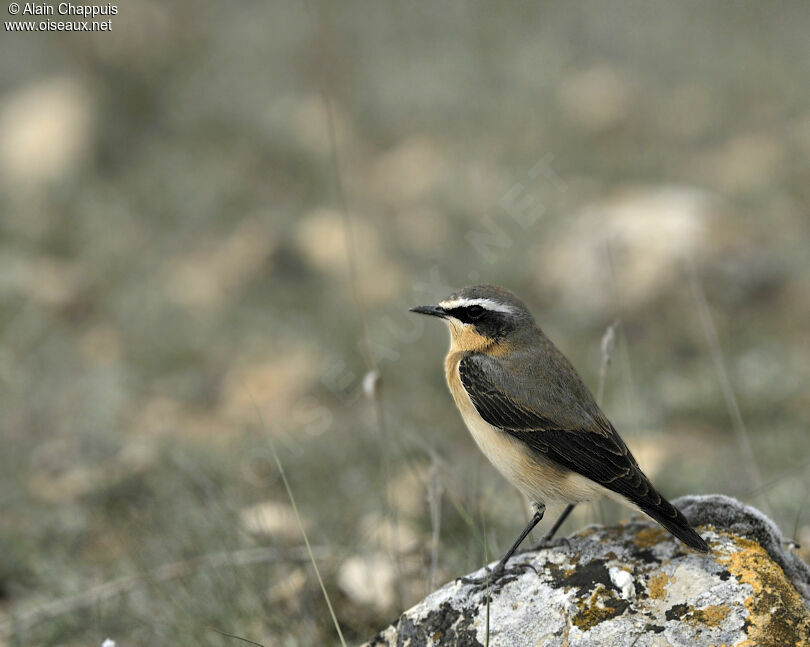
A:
{"points": [[553, 413], [566, 430]]}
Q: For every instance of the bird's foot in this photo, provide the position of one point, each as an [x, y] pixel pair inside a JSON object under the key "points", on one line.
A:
{"points": [[491, 575]]}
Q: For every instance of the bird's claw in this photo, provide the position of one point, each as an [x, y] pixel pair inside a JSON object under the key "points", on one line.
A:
{"points": [[487, 578], [524, 566], [492, 575]]}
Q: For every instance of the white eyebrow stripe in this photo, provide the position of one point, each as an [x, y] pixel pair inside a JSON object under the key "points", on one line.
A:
{"points": [[489, 304]]}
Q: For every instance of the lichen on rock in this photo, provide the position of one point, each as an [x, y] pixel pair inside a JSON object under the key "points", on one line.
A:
{"points": [[631, 585]]}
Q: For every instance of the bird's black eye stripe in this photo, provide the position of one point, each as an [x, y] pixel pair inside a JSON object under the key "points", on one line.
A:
{"points": [[468, 314], [475, 312]]}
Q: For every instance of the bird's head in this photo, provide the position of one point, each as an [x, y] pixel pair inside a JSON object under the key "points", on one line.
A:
{"points": [[482, 318]]}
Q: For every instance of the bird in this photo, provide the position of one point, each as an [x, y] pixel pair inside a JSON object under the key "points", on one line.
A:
{"points": [[532, 416]]}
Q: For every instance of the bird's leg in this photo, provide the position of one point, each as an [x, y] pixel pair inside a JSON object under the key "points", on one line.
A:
{"points": [[495, 573], [546, 540], [560, 521]]}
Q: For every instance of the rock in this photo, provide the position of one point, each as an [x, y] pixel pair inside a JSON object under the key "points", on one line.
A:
{"points": [[321, 241], [271, 519], [636, 239], [597, 98], [385, 534], [287, 593], [746, 163], [369, 580], [631, 584], [208, 275], [278, 384], [409, 171], [45, 130]]}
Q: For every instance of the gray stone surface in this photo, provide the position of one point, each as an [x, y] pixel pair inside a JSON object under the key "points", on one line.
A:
{"points": [[631, 584]]}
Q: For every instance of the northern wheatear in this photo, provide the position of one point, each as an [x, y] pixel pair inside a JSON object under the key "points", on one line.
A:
{"points": [[532, 416]]}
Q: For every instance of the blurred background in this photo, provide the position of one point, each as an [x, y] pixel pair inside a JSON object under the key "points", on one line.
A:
{"points": [[183, 292]]}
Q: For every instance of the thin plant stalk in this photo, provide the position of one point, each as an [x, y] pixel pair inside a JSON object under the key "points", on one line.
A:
{"points": [[712, 338], [298, 520]]}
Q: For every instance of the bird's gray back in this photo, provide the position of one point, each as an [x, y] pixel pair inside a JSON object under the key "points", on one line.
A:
{"points": [[539, 377]]}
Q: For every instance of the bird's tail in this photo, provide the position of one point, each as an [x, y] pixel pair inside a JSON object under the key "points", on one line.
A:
{"points": [[671, 518]]}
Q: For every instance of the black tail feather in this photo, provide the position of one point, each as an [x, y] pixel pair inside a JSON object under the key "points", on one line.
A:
{"points": [[671, 518]]}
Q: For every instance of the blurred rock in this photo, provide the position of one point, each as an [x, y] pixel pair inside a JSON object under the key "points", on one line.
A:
{"points": [[276, 385], [647, 232], [652, 451], [158, 414], [383, 282], [369, 580], [386, 535], [745, 162], [321, 238], [61, 474], [161, 414], [407, 488], [272, 519], [206, 276], [631, 585], [656, 451], [288, 590], [408, 171], [45, 130], [596, 98], [310, 126]]}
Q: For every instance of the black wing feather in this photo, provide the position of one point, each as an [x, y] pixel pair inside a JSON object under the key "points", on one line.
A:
{"points": [[591, 448]]}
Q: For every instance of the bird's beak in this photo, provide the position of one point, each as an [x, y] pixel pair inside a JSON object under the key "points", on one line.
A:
{"points": [[434, 311]]}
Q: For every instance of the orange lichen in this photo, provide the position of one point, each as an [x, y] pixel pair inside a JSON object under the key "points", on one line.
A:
{"points": [[602, 605], [657, 585], [649, 537], [776, 613], [711, 616]]}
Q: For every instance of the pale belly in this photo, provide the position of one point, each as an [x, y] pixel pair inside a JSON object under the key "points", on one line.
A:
{"points": [[537, 478]]}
